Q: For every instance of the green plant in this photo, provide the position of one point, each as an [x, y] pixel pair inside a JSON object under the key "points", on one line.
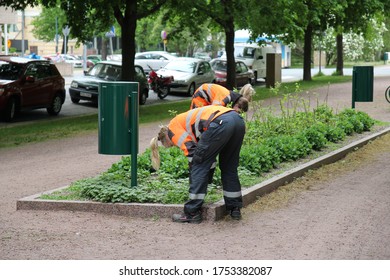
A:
{"points": [[316, 136], [270, 140]]}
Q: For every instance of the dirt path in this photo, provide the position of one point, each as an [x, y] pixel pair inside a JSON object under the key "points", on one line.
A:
{"points": [[342, 215]]}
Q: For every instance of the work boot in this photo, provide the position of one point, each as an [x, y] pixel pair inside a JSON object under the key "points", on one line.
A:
{"points": [[195, 218], [235, 213]]}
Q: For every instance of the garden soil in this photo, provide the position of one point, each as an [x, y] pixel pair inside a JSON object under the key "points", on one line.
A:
{"points": [[340, 211]]}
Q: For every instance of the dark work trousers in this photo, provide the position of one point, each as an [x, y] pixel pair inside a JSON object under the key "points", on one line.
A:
{"points": [[223, 137]]}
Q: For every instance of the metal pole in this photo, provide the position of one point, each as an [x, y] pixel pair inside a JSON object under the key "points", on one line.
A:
{"points": [[23, 47], [134, 136], [85, 57], [6, 38], [56, 35], [354, 74], [1, 45]]}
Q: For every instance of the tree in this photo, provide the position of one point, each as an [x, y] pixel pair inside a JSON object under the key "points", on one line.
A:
{"points": [[225, 16], [88, 15], [43, 24], [126, 13], [346, 21]]}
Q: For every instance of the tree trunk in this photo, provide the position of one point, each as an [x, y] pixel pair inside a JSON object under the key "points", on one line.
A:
{"points": [[128, 23], [104, 48], [231, 64], [307, 53], [340, 56]]}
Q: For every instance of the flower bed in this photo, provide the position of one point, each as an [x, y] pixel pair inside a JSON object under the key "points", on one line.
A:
{"points": [[271, 139]]}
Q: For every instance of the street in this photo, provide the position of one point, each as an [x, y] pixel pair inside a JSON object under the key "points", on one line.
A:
{"points": [[70, 109]]}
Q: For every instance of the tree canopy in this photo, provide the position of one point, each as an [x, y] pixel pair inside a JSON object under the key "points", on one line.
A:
{"points": [[287, 20]]}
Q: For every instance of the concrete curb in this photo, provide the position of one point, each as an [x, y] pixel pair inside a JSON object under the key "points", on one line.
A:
{"points": [[211, 212]]}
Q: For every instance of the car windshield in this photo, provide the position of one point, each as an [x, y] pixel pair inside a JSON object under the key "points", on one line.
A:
{"points": [[105, 71], [182, 66], [10, 71], [245, 52], [220, 65]]}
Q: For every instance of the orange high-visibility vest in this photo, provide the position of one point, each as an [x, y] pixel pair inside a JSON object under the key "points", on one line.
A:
{"points": [[213, 94], [185, 129]]}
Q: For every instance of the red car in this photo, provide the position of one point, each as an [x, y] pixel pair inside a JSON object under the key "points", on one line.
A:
{"points": [[27, 84], [243, 74]]}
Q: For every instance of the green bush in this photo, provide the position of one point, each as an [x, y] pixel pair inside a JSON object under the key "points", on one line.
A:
{"points": [[316, 136], [269, 140]]}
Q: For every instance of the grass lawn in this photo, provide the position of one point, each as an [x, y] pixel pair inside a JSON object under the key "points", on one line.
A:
{"points": [[67, 127]]}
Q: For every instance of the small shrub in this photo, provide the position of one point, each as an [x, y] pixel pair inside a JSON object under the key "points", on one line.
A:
{"points": [[345, 125], [334, 133], [316, 136]]}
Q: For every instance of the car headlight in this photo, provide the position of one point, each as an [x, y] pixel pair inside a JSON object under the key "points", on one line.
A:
{"points": [[74, 84]]}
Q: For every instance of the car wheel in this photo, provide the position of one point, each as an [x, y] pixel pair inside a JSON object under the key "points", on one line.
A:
{"points": [[143, 97], [55, 106], [191, 89], [10, 110], [75, 100], [255, 80]]}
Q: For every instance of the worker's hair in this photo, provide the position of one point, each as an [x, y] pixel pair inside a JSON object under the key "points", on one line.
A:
{"points": [[242, 103], [247, 91], [155, 156]]}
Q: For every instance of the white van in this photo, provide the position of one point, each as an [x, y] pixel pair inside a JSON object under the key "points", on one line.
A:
{"points": [[254, 56]]}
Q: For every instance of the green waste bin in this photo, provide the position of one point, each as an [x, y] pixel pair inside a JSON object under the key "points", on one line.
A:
{"points": [[362, 84], [118, 118]]}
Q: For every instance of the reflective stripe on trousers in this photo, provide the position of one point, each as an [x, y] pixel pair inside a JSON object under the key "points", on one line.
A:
{"points": [[223, 137]]}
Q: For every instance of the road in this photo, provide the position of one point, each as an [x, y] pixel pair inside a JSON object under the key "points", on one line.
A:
{"points": [[70, 109], [340, 213]]}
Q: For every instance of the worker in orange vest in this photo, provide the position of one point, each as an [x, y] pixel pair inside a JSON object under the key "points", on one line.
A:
{"points": [[214, 94], [203, 134]]}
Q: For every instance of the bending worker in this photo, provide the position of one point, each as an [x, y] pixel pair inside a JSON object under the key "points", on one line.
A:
{"points": [[214, 94], [203, 134]]}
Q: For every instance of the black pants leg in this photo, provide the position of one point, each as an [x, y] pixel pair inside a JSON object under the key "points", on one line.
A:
{"points": [[223, 136]]}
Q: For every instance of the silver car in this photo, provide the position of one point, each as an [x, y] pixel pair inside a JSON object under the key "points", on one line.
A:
{"points": [[188, 73], [153, 59]]}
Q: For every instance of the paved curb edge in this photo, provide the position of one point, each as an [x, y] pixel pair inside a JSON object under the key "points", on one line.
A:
{"points": [[211, 212]]}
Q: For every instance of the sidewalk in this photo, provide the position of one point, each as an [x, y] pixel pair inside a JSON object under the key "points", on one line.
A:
{"points": [[342, 215]]}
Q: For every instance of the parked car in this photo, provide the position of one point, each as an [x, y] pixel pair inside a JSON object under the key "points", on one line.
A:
{"points": [[95, 58], [77, 63], [86, 88], [188, 74], [115, 57], [243, 74], [154, 59], [27, 84], [202, 55]]}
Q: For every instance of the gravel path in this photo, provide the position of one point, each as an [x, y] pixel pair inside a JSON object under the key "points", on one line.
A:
{"points": [[342, 215]]}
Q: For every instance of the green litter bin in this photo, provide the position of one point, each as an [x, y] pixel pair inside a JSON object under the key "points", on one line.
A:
{"points": [[362, 84], [118, 121], [118, 118]]}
